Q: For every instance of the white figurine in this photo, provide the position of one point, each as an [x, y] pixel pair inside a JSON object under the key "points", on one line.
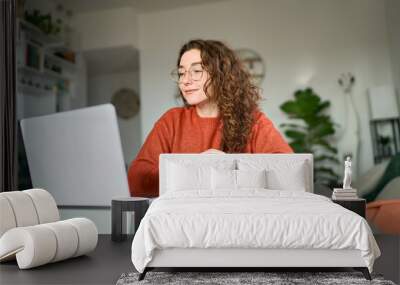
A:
{"points": [[347, 174]]}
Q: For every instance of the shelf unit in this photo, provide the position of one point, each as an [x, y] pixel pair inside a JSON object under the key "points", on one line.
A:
{"points": [[46, 82], [24, 88], [40, 71], [37, 34], [385, 144]]}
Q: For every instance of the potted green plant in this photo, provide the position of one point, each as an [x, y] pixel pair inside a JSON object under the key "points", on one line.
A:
{"points": [[44, 22], [311, 132]]}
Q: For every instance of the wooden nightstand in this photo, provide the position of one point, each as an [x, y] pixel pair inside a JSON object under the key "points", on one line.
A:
{"points": [[357, 205]]}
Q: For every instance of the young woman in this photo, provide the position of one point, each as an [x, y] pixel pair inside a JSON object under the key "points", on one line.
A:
{"points": [[220, 115]]}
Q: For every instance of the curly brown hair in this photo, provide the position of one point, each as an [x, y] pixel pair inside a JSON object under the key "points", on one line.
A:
{"points": [[232, 90]]}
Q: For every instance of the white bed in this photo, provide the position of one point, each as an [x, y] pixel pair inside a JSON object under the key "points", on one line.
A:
{"points": [[247, 210]]}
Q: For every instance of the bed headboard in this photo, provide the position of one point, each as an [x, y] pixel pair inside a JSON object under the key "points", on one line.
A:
{"points": [[246, 159]]}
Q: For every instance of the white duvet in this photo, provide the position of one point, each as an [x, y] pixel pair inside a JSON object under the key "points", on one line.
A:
{"points": [[251, 218]]}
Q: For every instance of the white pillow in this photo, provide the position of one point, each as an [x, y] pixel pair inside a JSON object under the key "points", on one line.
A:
{"points": [[181, 177], [251, 178], [236, 179], [281, 174], [184, 173], [293, 180], [223, 179]]}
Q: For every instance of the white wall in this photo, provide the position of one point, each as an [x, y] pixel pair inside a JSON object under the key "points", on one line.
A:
{"points": [[393, 24], [304, 43], [100, 90], [106, 28]]}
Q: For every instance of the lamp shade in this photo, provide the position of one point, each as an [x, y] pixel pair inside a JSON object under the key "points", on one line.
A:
{"points": [[383, 102]]}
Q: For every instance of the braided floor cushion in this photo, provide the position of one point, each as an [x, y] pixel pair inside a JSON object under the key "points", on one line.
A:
{"points": [[31, 233]]}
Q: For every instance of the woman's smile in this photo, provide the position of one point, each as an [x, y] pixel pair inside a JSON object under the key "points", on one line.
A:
{"points": [[190, 91]]}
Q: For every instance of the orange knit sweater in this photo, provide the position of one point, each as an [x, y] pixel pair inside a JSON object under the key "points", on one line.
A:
{"points": [[182, 130]]}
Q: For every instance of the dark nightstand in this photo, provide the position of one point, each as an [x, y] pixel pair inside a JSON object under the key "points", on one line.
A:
{"points": [[357, 205], [138, 205]]}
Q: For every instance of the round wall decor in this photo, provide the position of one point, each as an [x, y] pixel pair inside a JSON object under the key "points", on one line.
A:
{"points": [[254, 64], [126, 102]]}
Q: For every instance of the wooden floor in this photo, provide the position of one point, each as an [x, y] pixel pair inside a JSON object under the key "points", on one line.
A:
{"points": [[110, 260]]}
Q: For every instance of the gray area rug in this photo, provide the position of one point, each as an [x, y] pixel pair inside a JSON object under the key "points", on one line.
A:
{"points": [[230, 278]]}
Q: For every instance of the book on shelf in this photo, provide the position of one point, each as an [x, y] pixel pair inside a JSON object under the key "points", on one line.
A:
{"points": [[345, 198], [341, 190], [344, 194]]}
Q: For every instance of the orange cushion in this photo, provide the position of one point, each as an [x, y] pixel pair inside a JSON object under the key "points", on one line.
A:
{"points": [[385, 215]]}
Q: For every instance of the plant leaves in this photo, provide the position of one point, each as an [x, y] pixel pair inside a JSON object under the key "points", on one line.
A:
{"points": [[296, 126], [315, 135], [299, 147], [326, 145], [326, 158], [296, 135], [325, 170]]}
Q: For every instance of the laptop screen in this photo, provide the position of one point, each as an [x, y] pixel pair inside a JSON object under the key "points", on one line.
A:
{"points": [[77, 156]]}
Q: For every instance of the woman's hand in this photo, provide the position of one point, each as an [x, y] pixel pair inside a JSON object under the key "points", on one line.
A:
{"points": [[213, 150]]}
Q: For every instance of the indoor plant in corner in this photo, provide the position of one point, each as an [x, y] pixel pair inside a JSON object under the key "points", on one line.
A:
{"points": [[310, 132]]}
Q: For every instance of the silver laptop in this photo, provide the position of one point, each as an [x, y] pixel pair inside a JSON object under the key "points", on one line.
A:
{"points": [[77, 156]]}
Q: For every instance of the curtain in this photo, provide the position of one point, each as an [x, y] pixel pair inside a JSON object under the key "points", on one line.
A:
{"points": [[8, 116]]}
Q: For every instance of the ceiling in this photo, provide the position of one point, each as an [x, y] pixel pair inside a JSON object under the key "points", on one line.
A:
{"points": [[142, 6]]}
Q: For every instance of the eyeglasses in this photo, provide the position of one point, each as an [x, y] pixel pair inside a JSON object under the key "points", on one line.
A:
{"points": [[195, 73]]}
